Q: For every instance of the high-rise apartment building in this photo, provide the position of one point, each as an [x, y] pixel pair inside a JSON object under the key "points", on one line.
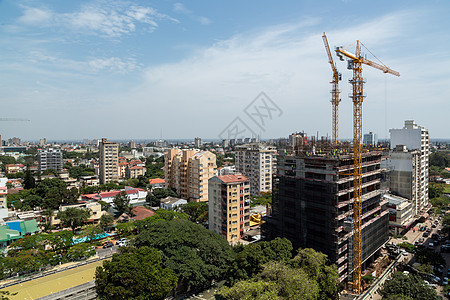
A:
{"points": [[188, 172], [257, 162], [50, 159], [405, 163], [109, 161], [312, 205], [197, 142], [229, 206]]}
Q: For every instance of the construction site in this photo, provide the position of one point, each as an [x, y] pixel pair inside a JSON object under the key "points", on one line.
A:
{"points": [[327, 194]]}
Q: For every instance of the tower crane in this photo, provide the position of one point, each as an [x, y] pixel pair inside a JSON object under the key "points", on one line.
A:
{"points": [[355, 62], [334, 93]]}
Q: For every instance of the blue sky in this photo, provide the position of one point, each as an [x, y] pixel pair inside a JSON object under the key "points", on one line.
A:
{"points": [[131, 69]]}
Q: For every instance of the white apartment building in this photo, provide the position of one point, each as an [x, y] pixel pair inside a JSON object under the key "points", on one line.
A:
{"points": [[413, 137], [257, 162], [50, 159]]}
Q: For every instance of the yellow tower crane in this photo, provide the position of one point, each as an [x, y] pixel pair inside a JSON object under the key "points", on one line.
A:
{"points": [[334, 93], [355, 62]]}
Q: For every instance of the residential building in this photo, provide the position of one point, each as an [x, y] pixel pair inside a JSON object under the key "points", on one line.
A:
{"points": [[170, 203], [401, 215], [414, 137], [188, 172], [197, 142], [43, 142], [122, 169], [14, 168], [229, 206], [157, 183], [89, 181], [3, 206], [137, 196], [370, 139], [140, 213], [50, 159], [94, 208], [312, 205], [109, 164], [135, 171], [257, 162], [228, 170]]}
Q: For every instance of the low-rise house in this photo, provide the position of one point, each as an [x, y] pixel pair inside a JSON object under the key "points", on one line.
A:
{"points": [[89, 181], [170, 203], [94, 207], [14, 168], [157, 183], [137, 196]]}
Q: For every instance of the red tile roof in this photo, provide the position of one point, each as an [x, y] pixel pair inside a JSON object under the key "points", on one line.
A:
{"points": [[232, 178], [141, 213], [156, 181]]}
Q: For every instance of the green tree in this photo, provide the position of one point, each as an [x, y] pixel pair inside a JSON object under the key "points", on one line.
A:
{"points": [[195, 253], [106, 221], [435, 190], [73, 217], [7, 160], [250, 259], [155, 196], [105, 205], [121, 202], [33, 201], [28, 181], [427, 256], [316, 265], [80, 251], [407, 285], [440, 159], [197, 211], [91, 232], [134, 274]]}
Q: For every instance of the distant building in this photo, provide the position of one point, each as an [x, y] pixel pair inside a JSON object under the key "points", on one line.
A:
{"points": [[50, 159], [413, 137], [257, 162], [229, 206], [228, 170], [109, 165], [170, 203], [370, 139], [132, 145], [197, 142], [43, 142], [137, 196], [188, 172], [135, 171], [14, 168]]}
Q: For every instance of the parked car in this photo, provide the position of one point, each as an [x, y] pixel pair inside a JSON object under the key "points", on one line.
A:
{"points": [[431, 245], [108, 245], [421, 240], [445, 281], [426, 234]]}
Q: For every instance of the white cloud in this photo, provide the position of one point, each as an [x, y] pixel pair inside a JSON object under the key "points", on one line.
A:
{"points": [[181, 9], [110, 19], [114, 64]]}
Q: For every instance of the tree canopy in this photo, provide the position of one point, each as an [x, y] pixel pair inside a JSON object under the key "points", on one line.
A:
{"points": [[197, 211], [407, 285], [121, 202], [73, 217], [135, 273], [196, 254]]}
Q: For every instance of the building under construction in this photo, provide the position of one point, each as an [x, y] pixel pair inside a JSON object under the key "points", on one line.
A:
{"points": [[313, 203]]}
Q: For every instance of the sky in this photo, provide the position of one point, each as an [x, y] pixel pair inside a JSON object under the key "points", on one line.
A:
{"points": [[217, 69]]}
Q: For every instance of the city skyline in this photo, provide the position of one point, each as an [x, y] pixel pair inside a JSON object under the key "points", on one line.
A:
{"points": [[127, 70]]}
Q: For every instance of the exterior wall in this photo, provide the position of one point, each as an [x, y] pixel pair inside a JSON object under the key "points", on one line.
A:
{"points": [[229, 207], [258, 163], [416, 137], [188, 172], [109, 164], [50, 159]]}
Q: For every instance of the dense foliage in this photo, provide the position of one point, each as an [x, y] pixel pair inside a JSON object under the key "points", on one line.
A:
{"points": [[135, 273], [197, 211], [73, 217], [409, 286], [197, 255]]}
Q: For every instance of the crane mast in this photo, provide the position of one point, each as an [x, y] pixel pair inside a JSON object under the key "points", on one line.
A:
{"points": [[334, 93], [355, 63]]}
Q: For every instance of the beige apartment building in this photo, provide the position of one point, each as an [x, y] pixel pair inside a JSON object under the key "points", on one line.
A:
{"points": [[188, 172], [109, 161], [258, 162], [229, 206]]}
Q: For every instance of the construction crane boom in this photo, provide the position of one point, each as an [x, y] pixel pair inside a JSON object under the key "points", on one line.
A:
{"points": [[355, 63], [334, 93], [14, 119]]}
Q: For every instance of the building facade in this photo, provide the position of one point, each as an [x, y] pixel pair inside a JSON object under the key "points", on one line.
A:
{"points": [[229, 206], [258, 163], [188, 172], [370, 139], [312, 206], [401, 215], [197, 142], [109, 161], [414, 137], [50, 159]]}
